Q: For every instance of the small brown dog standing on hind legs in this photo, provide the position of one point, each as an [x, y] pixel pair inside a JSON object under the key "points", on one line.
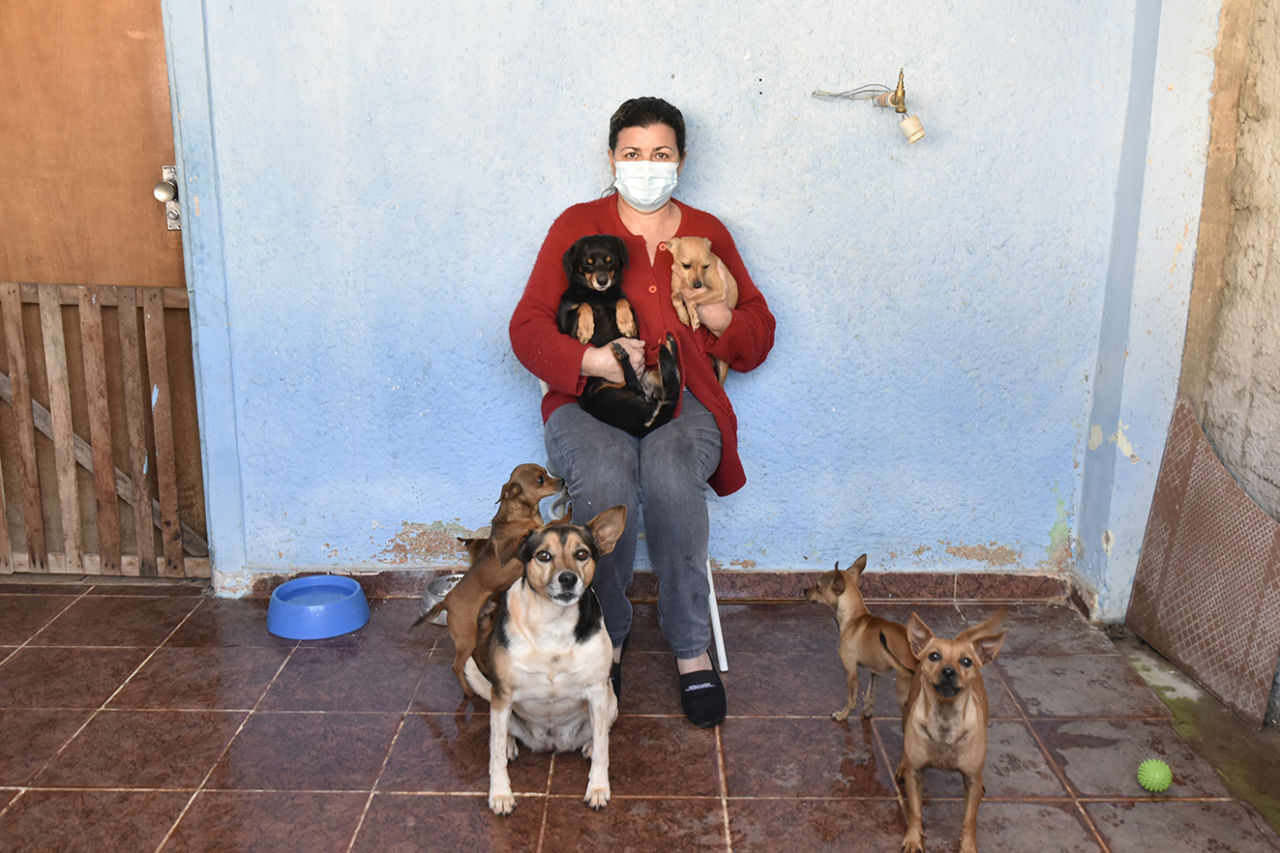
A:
{"points": [[549, 657], [877, 644], [945, 725], [493, 567]]}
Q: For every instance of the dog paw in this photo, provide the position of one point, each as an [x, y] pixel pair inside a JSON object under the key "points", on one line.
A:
{"points": [[913, 842], [866, 712], [586, 749], [513, 749], [841, 715], [597, 798], [502, 802]]}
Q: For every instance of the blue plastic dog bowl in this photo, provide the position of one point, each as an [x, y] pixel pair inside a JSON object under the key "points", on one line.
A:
{"points": [[316, 607]]}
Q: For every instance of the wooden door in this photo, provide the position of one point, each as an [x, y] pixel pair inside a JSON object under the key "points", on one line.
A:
{"points": [[99, 445]]}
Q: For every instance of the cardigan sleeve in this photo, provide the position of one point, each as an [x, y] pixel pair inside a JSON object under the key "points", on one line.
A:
{"points": [[746, 342], [537, 342]]}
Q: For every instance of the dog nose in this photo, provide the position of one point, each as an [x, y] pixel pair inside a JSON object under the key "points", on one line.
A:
{"points": [[567, 579], [949, 673]]}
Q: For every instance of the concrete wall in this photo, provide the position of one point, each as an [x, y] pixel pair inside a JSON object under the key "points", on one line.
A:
{"points": [[368, 185], [1242, 399]]}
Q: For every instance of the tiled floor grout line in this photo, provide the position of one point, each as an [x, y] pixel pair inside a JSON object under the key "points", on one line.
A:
{"points": [[724, 790], [1053, 764], [94, 713], [546, 805], [225, 749], [373, 789]]}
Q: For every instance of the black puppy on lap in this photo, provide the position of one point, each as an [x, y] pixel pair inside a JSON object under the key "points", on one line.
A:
{"points": [[594, 311]]}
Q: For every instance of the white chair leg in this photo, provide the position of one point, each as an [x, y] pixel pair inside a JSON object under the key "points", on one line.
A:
{"points": [[716, 630]]}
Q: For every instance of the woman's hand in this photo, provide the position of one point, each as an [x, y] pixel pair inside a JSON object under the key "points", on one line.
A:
{"points": [[600, 361]]}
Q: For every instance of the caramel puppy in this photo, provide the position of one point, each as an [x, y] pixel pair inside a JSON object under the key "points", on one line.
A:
{"points": [[492, 565], [549, 657], [698, 277], [865, 640], [946, 722]]}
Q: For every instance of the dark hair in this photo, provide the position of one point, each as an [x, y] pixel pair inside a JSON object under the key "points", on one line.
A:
{"points": [[642, 112]]}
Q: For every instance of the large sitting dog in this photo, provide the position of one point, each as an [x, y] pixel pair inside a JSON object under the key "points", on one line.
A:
{"points": [[549, 657], [594, 311]]}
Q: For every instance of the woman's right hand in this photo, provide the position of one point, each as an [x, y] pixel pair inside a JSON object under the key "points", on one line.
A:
{"points": [[600, 361]]}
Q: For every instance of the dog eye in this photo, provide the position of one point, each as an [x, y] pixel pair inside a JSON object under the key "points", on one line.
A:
{"points": [[582, 555], [591, 262], [686, 266], [966, 662], [935, 656], [543, 556]]}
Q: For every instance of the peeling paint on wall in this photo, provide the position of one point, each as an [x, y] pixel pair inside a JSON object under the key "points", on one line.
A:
{"points": [[425, 543], [995, 555], [1058, 554], [1095, 437], [1108, 539], [1122, 442]]}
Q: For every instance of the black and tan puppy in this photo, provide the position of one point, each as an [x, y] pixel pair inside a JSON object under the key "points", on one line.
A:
{"points": [[493, 567], [946, 720], [593, 309], [878, 645], [549, 657]]}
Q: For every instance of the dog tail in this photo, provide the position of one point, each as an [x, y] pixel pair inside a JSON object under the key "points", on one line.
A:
{"points": [[899, 655], [428, 612]]}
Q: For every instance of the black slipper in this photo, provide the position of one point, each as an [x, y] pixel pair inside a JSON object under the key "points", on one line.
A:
{"points": [[615, 671], [702, 696]]}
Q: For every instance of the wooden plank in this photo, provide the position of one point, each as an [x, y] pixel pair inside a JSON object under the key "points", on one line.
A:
{"points": [[174, 297], [55, 360], [135, 417], [192, 543], [162, 426], [6, 546], [32, 503], [95, 381]]}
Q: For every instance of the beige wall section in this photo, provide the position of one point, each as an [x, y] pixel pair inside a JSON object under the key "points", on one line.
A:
{"points": [[1231, 365]]}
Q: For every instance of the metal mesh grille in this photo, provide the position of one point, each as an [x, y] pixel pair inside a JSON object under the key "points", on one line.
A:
{"points": [[1206, 593]]}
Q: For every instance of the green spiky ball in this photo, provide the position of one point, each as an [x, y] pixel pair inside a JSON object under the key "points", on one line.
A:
{"points": [[1154, 775]]}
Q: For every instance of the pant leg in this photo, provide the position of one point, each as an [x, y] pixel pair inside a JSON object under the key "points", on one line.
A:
{"points": [[675, 462], [600, 467]]}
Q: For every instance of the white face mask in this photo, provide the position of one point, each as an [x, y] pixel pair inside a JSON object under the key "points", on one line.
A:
{"points": [[646, 185]]}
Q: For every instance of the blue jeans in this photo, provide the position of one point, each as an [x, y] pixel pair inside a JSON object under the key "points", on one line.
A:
{"points": [[666, 472]]}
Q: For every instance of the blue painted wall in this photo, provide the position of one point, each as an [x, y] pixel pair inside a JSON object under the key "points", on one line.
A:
{"points": [[368, 185]]}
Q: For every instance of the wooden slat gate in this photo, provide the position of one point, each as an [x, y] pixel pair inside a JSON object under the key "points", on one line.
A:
{"points": [[99, 445]]}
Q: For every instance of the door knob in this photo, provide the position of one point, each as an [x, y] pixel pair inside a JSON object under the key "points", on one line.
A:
{"points": [[167, 192]]}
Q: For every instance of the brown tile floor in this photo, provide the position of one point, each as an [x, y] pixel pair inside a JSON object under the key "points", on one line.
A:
{"points": [[158, 718]]}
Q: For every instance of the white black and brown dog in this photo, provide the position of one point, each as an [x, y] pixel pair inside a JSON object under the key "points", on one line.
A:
{"points": [[549, 657]]}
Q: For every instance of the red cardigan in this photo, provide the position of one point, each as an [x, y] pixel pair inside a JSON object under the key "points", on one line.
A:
{"points": [[556, 358]]}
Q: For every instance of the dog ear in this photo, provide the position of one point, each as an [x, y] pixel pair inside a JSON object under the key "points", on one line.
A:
{"points": [[620, 249], [918, 634], [511, 491], [607, 527], [837, 585], [570, 258], [988, 647], [986, 628], [859, 565], [524, 547]]}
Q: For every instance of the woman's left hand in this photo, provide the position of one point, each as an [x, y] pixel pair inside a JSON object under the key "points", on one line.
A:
{"points": [[714, 315]]}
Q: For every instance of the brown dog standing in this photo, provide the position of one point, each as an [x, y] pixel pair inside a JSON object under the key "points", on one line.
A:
{"points": [[699, 277], [945, 725], [493, 567], [865, 640]]}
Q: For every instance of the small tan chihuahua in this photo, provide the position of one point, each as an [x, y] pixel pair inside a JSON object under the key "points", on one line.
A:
{"points": [[865, 640], [945, 725]]}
